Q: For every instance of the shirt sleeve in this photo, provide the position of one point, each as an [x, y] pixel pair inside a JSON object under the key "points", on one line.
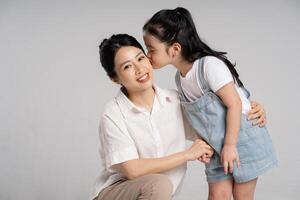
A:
{"points": [[116, 142], [216, 73]]}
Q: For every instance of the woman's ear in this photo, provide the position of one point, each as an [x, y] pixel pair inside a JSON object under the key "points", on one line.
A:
{"points": [[115, 80]]}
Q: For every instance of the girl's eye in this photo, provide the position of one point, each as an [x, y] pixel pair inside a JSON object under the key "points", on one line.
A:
{"points": [[150, 50]]}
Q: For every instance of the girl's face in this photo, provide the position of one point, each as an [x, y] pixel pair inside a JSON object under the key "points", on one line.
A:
{"points": [[133, 68], [158, 52]]}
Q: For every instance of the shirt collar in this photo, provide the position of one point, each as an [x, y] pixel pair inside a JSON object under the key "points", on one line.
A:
{"points": [[162, 96], [127, 105]]}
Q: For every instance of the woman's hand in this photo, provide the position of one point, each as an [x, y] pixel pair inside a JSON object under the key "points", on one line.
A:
{"points": [[198, 149], [205, 158], [257, 112]]}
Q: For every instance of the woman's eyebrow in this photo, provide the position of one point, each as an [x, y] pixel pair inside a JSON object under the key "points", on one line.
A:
{"points": [[138, 54], [129, 60]]}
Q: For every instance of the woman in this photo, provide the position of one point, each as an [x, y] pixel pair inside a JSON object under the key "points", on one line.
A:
{"points": [[142, 130]]}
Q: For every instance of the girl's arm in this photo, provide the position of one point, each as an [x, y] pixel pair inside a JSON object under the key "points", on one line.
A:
{"points": [[232, 101], [139, 167]]}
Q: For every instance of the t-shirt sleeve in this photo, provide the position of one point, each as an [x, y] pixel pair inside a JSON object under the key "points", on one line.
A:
{"points": [[116, 142], [216, 73]]}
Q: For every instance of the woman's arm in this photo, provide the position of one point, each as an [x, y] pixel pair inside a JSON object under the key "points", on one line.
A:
{"points": [[139, 167], [232, 101], [258, 114]]}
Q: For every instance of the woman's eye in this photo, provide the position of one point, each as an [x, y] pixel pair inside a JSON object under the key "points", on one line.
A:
{"points": [[141, 58], [126, 67]]}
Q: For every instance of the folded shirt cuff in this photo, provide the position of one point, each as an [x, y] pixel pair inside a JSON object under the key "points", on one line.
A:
{"points": [[120, 156]]}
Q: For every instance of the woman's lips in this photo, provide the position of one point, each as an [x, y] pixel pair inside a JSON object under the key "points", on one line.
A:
{"points": [[144, 78]]}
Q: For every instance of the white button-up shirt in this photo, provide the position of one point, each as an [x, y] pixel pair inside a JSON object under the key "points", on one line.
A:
{"points": [[129, 132]]}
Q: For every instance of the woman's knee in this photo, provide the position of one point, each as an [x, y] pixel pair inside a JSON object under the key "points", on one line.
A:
{"points": [[163, 182], [158, 186]]}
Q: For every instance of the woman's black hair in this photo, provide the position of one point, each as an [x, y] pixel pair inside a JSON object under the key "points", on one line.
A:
{"points": [[176, 25], [109, 47]]}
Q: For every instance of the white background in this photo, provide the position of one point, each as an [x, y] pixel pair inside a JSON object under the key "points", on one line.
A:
{"points": [[53, 88]]}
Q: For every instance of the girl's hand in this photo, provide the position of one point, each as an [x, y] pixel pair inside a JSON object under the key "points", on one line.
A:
{"points": [[257, 112], [229, 155]]}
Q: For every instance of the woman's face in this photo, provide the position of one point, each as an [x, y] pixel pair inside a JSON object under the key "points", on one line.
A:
{"points": [[133, 68], [157, 51]]}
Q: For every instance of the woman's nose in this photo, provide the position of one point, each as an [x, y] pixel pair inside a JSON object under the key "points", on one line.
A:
{"points": [[139, 68]]}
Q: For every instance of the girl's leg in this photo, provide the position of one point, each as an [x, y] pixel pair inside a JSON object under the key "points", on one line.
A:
{"points": [[244, 191], [148, 187], [221, 190]]}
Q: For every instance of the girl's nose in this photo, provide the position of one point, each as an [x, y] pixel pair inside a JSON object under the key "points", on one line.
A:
{"points": [[148, 55]]}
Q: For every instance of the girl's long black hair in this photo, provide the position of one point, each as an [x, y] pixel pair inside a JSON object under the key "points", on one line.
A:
{"points": [[176, 25]]}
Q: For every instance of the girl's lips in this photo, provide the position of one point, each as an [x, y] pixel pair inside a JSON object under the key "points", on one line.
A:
{"points": [[144, 78]]}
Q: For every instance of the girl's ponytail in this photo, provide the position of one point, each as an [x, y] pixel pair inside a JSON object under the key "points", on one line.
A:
{"points": [[177, 25]]}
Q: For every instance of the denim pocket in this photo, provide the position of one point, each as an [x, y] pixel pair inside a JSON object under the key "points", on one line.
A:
{"points": [[252, 146]]}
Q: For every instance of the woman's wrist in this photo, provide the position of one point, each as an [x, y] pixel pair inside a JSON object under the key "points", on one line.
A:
{"points": [[186, 155]]}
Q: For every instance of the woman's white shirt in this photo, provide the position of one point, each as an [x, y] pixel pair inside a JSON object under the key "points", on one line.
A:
{"points": [[129, 132]]}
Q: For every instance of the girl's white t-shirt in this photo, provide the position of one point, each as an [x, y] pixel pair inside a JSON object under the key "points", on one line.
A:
{"points": [[217, 74]]}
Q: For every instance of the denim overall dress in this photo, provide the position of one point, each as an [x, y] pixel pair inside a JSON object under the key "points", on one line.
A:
{"points": [[207, 115]]}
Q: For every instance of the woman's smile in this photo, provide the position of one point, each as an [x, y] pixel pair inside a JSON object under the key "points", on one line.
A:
{"points": [[144, 78]]}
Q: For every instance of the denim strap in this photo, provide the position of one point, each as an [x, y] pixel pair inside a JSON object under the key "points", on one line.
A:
{"points": [[203, 83], [179, 87]]}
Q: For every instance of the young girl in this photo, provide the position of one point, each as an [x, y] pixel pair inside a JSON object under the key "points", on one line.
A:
{"points": [[215, 102]]}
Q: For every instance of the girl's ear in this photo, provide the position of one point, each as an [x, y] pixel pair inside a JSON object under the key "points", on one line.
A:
{"points": [[175, 49]]}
